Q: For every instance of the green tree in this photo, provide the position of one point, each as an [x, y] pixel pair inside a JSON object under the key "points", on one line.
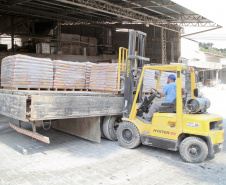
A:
{"points": [[208, 47]]}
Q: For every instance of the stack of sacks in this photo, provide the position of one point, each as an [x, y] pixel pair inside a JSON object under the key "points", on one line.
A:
{"points": [[23, 71], [150, 81], [88, 73], [104, 77], [69, 75]]}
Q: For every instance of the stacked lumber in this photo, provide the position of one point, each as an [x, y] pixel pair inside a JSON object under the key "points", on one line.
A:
{"points": [[150, 80], [104, 77], [21, 71], [69, 75]]}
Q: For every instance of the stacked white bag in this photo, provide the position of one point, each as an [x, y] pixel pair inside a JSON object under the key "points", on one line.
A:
{"points": [[104, 77], [69, 75], [88, 73], [150, 80], [22, 71]]}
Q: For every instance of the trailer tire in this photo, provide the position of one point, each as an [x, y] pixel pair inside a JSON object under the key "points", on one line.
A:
{"points": [[193, 150], [128, 135], [110, 126], [101, 126]]}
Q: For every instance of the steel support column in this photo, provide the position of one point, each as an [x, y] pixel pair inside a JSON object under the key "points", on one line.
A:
{"points": [[12, 34], [57, 34], [179, 48], [172, 51], [163, 45]]}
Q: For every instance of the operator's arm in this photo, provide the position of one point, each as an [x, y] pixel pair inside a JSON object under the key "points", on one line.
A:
{"points": [[164, 91]]}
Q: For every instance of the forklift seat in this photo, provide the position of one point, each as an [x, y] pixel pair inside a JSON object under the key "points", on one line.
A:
{"points": [[168, 107]]}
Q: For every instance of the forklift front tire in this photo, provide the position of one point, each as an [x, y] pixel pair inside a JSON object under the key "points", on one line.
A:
{"points": [[193, 150], [128, 135]]}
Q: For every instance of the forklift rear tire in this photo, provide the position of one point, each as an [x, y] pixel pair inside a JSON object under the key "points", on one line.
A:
{"points": [[193, 150], [128, 135]]}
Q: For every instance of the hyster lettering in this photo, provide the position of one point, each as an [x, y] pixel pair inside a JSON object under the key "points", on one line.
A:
{"points": [[128, 68], [161, 131]]}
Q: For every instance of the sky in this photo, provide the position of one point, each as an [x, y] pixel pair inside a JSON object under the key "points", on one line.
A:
{"points": [[214, 10]]}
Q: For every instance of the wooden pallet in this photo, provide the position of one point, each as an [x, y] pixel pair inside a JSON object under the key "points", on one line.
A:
{"points": [[65, 89], [27, 89], [103, 91]]}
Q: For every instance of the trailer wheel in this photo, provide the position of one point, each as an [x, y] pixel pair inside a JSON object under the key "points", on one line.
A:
{"points": [[110, 126], [128, 135], [193, 150], [101, 127]]}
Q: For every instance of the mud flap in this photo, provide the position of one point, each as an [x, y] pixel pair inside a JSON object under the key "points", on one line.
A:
{"points": [[87, 128], [210, 148]]}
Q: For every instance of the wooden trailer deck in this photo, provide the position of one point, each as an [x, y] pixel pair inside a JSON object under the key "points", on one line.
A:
{"points": [[27, 105]]}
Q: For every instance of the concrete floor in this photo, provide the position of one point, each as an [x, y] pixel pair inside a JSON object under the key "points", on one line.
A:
{"points": [[72, 160]]}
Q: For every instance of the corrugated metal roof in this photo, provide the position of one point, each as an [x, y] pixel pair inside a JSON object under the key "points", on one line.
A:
{"points": [[162, 13]]}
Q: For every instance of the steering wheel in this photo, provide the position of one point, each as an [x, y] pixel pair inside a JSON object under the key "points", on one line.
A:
{"points": [[156, 93]]}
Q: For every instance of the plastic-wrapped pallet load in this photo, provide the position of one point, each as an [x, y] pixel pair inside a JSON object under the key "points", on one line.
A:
{"points": [[150, 81], [69, 75], [21, 71], [104, 77], [88, 73]]}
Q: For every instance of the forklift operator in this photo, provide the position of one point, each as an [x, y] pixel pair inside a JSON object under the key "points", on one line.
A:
{"points": [[169, 92]]}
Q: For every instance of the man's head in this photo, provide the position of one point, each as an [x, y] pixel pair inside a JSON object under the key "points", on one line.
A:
{"points": [[171, 78]]}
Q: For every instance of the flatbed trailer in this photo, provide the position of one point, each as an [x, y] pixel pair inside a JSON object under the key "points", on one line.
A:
{"points": [[75, 112]]}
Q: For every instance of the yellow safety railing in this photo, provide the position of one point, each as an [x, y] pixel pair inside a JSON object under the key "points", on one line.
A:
{"points": [[122, 61]]}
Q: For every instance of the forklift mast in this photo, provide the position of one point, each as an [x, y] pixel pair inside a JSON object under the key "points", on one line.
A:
{"points": [[135, 63]]}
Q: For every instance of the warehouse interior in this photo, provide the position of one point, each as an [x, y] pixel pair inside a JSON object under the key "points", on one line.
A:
{"points": [[93, 30]]}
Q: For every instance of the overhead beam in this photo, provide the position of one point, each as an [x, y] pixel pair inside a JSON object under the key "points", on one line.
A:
{"points": [[147, 8], [201, 31], [14, 2], [151, 6], [198, 24], [165, 7], [41, 14], [175, 17], [69, 10], [110, 8], [162, 4], [184, 17]]}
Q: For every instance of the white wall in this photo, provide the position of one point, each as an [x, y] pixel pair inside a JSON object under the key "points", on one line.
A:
{"points": [[189, 49]]}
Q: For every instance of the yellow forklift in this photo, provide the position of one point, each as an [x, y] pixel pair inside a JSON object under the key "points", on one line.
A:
{"points": [[183, 125]]}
